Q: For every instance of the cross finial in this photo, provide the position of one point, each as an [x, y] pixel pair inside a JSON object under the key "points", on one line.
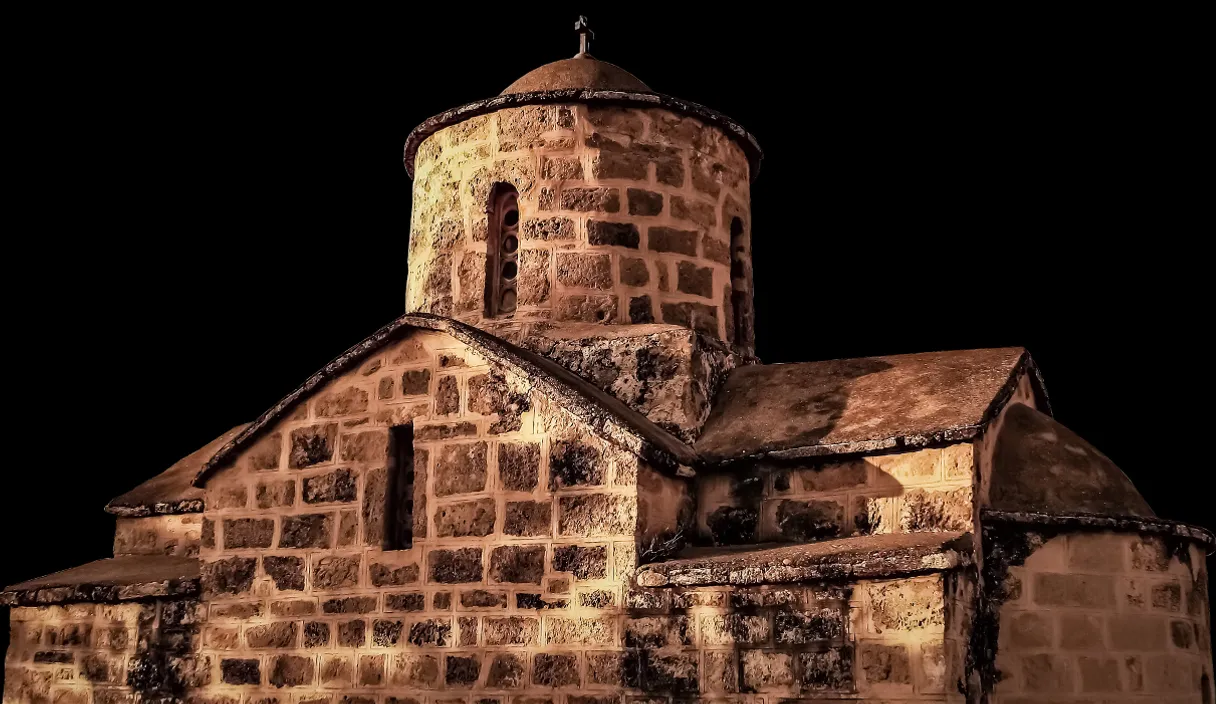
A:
{"points": [[585, 35]]}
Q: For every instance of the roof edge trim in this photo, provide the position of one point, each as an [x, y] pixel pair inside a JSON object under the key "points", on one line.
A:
{"points": [[159, 508], [746, 140], [1090, 521]]}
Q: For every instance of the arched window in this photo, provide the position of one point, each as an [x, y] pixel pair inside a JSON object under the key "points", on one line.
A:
{"points": [[740, 294], [502, 249]]}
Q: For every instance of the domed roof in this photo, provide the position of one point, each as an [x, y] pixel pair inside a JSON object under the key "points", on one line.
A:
{"points": [[583, 72], [1040, 466]]}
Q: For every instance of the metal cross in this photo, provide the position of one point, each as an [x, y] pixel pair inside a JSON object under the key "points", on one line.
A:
{"points": [[583, 27]]}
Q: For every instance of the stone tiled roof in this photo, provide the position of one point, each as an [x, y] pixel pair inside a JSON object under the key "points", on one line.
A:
{"points": [[861, 405], [1040, 466], [582, 72], [112, 579], [171, 491], [863, 557]]}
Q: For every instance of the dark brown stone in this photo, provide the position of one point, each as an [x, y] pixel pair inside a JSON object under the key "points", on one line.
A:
{"points": [[482, 599], [572, 463], [518, 465], [316, 634], [585, 270], [208, 533], [465, 519], [386, 633], [349, 605], [455, 566], [597, 599], [274, 494], [506, 671], [272, 635], [435, 632], [528, 518], [375, 493], [312, 445], [338, 485], [699, 212], [241, 671], [367, 446], [640, 310], [715, 249], [392, 576], [643, 202], [287, 572], [442, 600], [803, 627], [231, 576], [582, 561], [669, 239], [248, 532], [804, 521], [384, 390], [413, 601], [335, 573], [587, 308], [634, 272], [416, 382], [342, 402], [352, 634], [676, 673], [462, 670], [446, 431], [310, 530], [291, 671], [553, 670], [697, 316], [606, 200], [460, 469], [517, 564], [732, 525], [371, 672], [612, 234], [447, 396], [695, 280]]}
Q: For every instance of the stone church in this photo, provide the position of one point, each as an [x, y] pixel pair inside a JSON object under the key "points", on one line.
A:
{"points": [[563, 477]]}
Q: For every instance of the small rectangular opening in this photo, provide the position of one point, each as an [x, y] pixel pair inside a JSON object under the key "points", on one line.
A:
{"points": [[399, 511]]}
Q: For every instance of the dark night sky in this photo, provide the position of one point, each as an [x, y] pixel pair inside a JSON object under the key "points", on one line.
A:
{"points": [[203, 210]]}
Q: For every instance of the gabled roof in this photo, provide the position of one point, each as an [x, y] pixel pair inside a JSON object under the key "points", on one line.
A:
{"points": [[603, 413], [861, 405], [112, 579], [171, 491]]}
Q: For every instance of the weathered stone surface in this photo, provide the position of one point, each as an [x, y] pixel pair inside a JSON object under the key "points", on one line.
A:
{"points": [[560, 630], [518, 465], [612, 234], [416, 382], [698, 316], [386, 633], [455, 566], [340, 402], [412, 601], [764, 669], [907, 605], [517, 564], [338, 485], [241, 671], [803, 627], [586, 308], [316, 634], [676, 673], [607, 200], [572, 463], [507, 671], [594, 515], [465, 519], [460, 469], [731, 525], [528, 518], [413, 670], [640, 310], [1076, 590], [695, 280], [561, 168], [310, 530], [248, 532], [272, 635], [634, 272], [802, 521], [447, 396], [368, 446], [335, 573], [829, 670], [287, 572], [730, 629], [554, 670], [584, 270], [231, 576], [291, 671], [658, 632], [275, 494], [885, 663], [312, 445], [349, 605], [700, 212], [392, 575], [533, 284], [927, 510], [668, 239], [547, 229], [371, 670], [352, 634], [643, 202], [444, 431], [582, 561], [431, 632], [462, 670], [483, 599]]}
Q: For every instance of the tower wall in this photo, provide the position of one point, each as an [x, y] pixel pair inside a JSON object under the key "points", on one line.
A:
{"points": [[625, 218]]}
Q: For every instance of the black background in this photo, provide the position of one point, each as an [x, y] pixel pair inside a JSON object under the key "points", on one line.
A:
{"points": [[202, 209]]}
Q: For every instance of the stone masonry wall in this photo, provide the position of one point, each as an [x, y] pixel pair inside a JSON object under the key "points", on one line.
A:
{"points": [[525, 538], [1106, 617], [924, 490], [159, 535], [625, 218]]}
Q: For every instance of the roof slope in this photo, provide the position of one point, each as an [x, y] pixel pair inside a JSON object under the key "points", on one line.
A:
{"points": [[583, 72], [603, 413], [860, 405], [1041, 466], [112, 579], [171, 491]]}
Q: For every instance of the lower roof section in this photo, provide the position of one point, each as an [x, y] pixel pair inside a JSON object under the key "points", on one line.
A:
{"points": [[863, 557], [125, 578]]}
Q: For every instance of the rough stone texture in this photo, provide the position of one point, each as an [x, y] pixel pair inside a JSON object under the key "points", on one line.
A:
{"points": [[611, 234], [465, 519], [582, 561], [455, 566], [248, 533], [460, 469], [517, 564], [338, 485], [312, 445], [313, 530], [529, 519], [287, 572], [518, 465]]}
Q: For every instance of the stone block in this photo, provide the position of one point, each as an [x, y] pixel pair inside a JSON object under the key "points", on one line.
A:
{"points": [[482, 599], [806, 521], [335, 573], [584, 562], [586, 308], [518, 465], [907, 605], [416, 382], [634, 272], [643, 202], [462, 670], [695, 280], [611, 234], [547, 229], [349, 605], [573, 463], [241, 671], [561, 168], [1137, 631], [414, 670], [265, 453], [465, 519], [511, 630], [885, 664], [834, 476], [248, 533], [733, 525], [1045, 672], [697, 316], [1080, 632], [820, 625], [312, 445], [533, 284], [352, 634], [316, 634], [658, 632], [460, 469], [826, 671], [715, 249], [411, 601], [560, 630], [444, 431], [1029, 630], [340, 402], [507, 671], [676, 673], [670, 239], [392, 575], [310, 530], [585, 270], [1077, 590], [604, 200], [287, 572], [369, 446], [386, 633], [272, 635], [930, 510], [231, 576], [555, 670], [431, 632], [455, 566], [735, 629], [291, 671], [336, 486], [596, 515], [447, 396], [529, 519], [275, 494], [517, 564]]}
